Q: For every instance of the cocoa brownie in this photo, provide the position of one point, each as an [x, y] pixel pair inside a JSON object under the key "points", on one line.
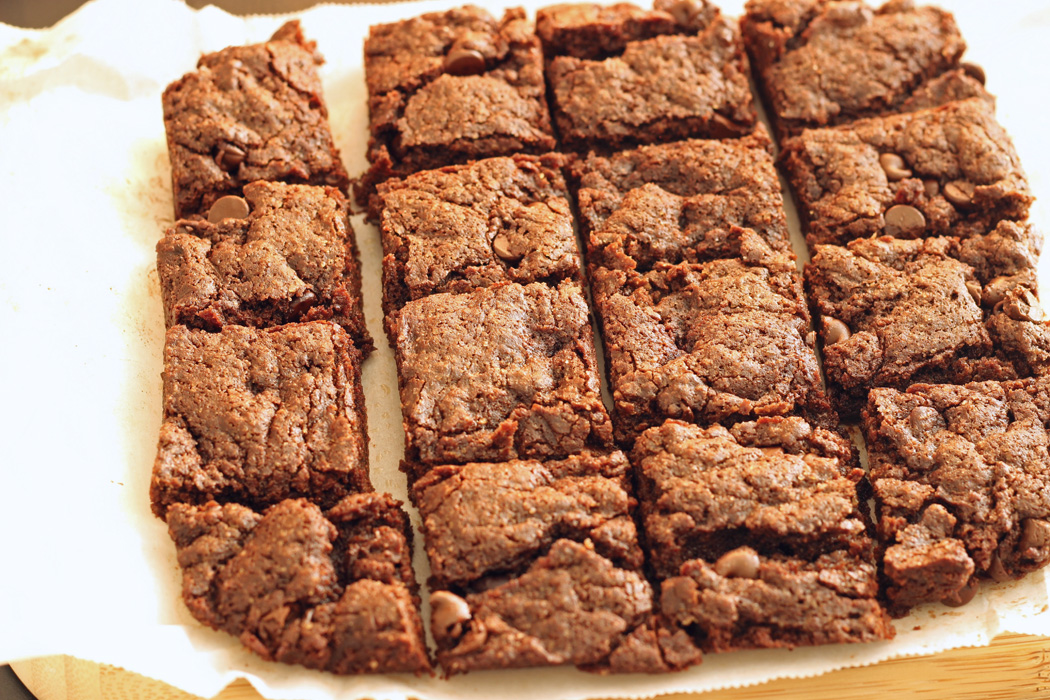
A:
{"points": [[257, 416], [746, 600], [962, 485], [672, 202], [777, 485], [946, 171], [291, 257], [249, 113], [331, 590], [691, 80], [503, 372], [469, 226], [447, 87], [723, 340], [571, 606], [483, 519], [820, 62], [895, 312]]}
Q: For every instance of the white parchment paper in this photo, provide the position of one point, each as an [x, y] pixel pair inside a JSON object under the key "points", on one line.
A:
{"points": [[85, 194]]}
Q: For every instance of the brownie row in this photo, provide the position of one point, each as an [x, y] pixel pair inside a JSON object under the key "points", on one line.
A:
{"points": [[262, 471]]}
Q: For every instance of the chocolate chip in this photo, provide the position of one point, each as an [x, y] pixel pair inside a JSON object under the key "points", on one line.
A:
{"points": [[303, 303], [230, 156], [229, 207], [739, 563], [924, 421], [996, 290], [835, 331], [932, 188], [447, 613], [996, 569], [501, 247], [1034, 535], [893, 164], [904, 221], [974, 71], [959, 192], [464, 62], [1024, 307], [974, 288], [962, 596]]}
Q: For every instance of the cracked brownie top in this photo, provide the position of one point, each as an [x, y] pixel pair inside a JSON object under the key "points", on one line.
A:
{"points": [[249, 113]]}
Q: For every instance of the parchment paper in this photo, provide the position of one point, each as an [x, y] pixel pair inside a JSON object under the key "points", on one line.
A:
{"points": [[84, 196]]}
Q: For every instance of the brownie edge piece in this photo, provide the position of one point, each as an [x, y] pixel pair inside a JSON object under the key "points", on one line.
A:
{"points": [[331, 590], [503, 372], [962, 485], [258, 416], [249, 113], [292, 258]]}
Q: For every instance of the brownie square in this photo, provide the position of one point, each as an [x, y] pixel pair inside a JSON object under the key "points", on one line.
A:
{"points": [[824, 63], [500, 373], [448, 87], [672, 202], [571, 606], [718, 341], [962, 485], [946, 171], [292, 257], [258, 416], [330, 590], [249, 113], [493, 519], [776, 485], [690, 80], [896, 312], [746, 600], [469, 226]]}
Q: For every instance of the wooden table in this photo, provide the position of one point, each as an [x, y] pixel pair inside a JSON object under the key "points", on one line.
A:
{"points": [[1014, 667]]}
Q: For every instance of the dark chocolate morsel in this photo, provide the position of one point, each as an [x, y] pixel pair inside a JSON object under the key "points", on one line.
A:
{"points": [[229, 207], [904, 220], [464, 62]]}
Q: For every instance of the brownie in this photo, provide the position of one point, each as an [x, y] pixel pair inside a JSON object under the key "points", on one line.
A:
{"points": [[293, 257], [896, 312], [503, 372], [689, 80], [469, 226], [717, 341], [821, 62], [249, 113], [328, 590], [777, 485], [571, 606], [671, 202], [946, 171], [492, 519], [746, 600], [448, 87], [962, 485], [258, 416]]}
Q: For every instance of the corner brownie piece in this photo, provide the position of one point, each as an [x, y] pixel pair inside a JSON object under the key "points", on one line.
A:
{"points": [[777, 485], [259, 416], [571, 606], [671, 202], [946, 171], [690, 80], [500, 373], [448, 87], [722, 340], [483, 519], [329, 590], [469, 226], [895, 312], [822, 62], [249, 113], [292, 257], [962, 485]]}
